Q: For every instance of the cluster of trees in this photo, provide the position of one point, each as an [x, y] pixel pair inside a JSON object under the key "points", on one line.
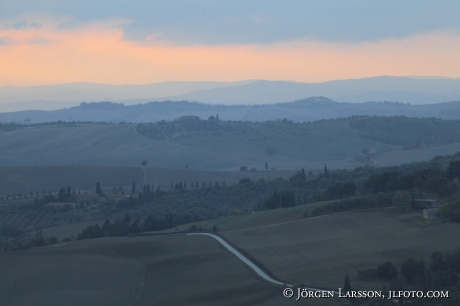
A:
{"points": [[15, 125], [450, 211], [153, 224], [127, 226], [403, 130], [64, 195], [192, 126], [9, 231], [298, 179], [280, 200], [116, 229], [341, 190], [385, 271], [432, 180], [20, 242], [442, 271], [194, 185]]}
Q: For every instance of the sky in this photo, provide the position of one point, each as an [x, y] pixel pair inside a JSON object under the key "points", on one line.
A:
{"points": [[146, 41]]}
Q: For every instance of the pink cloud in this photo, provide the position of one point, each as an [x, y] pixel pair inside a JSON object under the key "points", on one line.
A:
{"points": [[97, 53]]}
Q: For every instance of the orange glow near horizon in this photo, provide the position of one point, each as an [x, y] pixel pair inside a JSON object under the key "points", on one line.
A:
{"points": [[99, 54]]}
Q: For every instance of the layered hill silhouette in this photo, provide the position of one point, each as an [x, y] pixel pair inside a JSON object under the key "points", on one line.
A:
{"points": [[310, 109], [413, 90]]}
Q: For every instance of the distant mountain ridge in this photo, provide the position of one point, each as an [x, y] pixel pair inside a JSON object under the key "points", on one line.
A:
{"points": [[385, 88], [413, 90], [310, 109]]}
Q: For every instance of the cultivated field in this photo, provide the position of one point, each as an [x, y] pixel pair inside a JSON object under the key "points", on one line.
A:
{"points": [[320, 250]]}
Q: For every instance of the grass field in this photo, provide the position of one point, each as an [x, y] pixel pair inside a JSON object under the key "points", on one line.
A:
{"points": [[319, 251], [255, 219], [395, 157], [168, 270], [68, 276]]}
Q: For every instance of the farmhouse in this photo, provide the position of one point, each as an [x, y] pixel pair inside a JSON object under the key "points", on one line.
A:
{"points": [[424, 203]]}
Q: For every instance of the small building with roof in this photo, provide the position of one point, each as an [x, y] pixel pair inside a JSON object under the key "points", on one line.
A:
{"points": [[424, 203]]}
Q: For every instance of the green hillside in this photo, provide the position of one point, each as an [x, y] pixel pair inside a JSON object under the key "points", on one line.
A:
{"points": [[227, 145]]}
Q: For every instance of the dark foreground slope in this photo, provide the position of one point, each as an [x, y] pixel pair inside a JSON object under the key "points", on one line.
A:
{"points": [[196, 270], [172, 270]]}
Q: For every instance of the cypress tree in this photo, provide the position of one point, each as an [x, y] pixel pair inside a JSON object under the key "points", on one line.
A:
{"points": [[346, 284], [133, 188]]}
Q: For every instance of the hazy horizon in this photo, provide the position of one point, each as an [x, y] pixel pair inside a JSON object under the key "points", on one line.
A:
{"points": [[422, 77], [49, 42], [412, 90]]}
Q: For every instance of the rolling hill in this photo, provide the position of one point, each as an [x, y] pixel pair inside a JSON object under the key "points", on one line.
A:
{"points": [[304, 110], [228, 145], [181, 270]]}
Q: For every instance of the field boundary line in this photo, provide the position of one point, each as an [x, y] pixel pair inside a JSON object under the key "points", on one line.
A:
{"points": [[303, 219]]}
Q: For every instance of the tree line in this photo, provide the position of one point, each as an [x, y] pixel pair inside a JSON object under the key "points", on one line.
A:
{"points": [[441, 272]]}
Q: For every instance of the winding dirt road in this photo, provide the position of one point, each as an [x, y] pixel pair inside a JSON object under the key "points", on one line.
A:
{"points": [[243, 259]]}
